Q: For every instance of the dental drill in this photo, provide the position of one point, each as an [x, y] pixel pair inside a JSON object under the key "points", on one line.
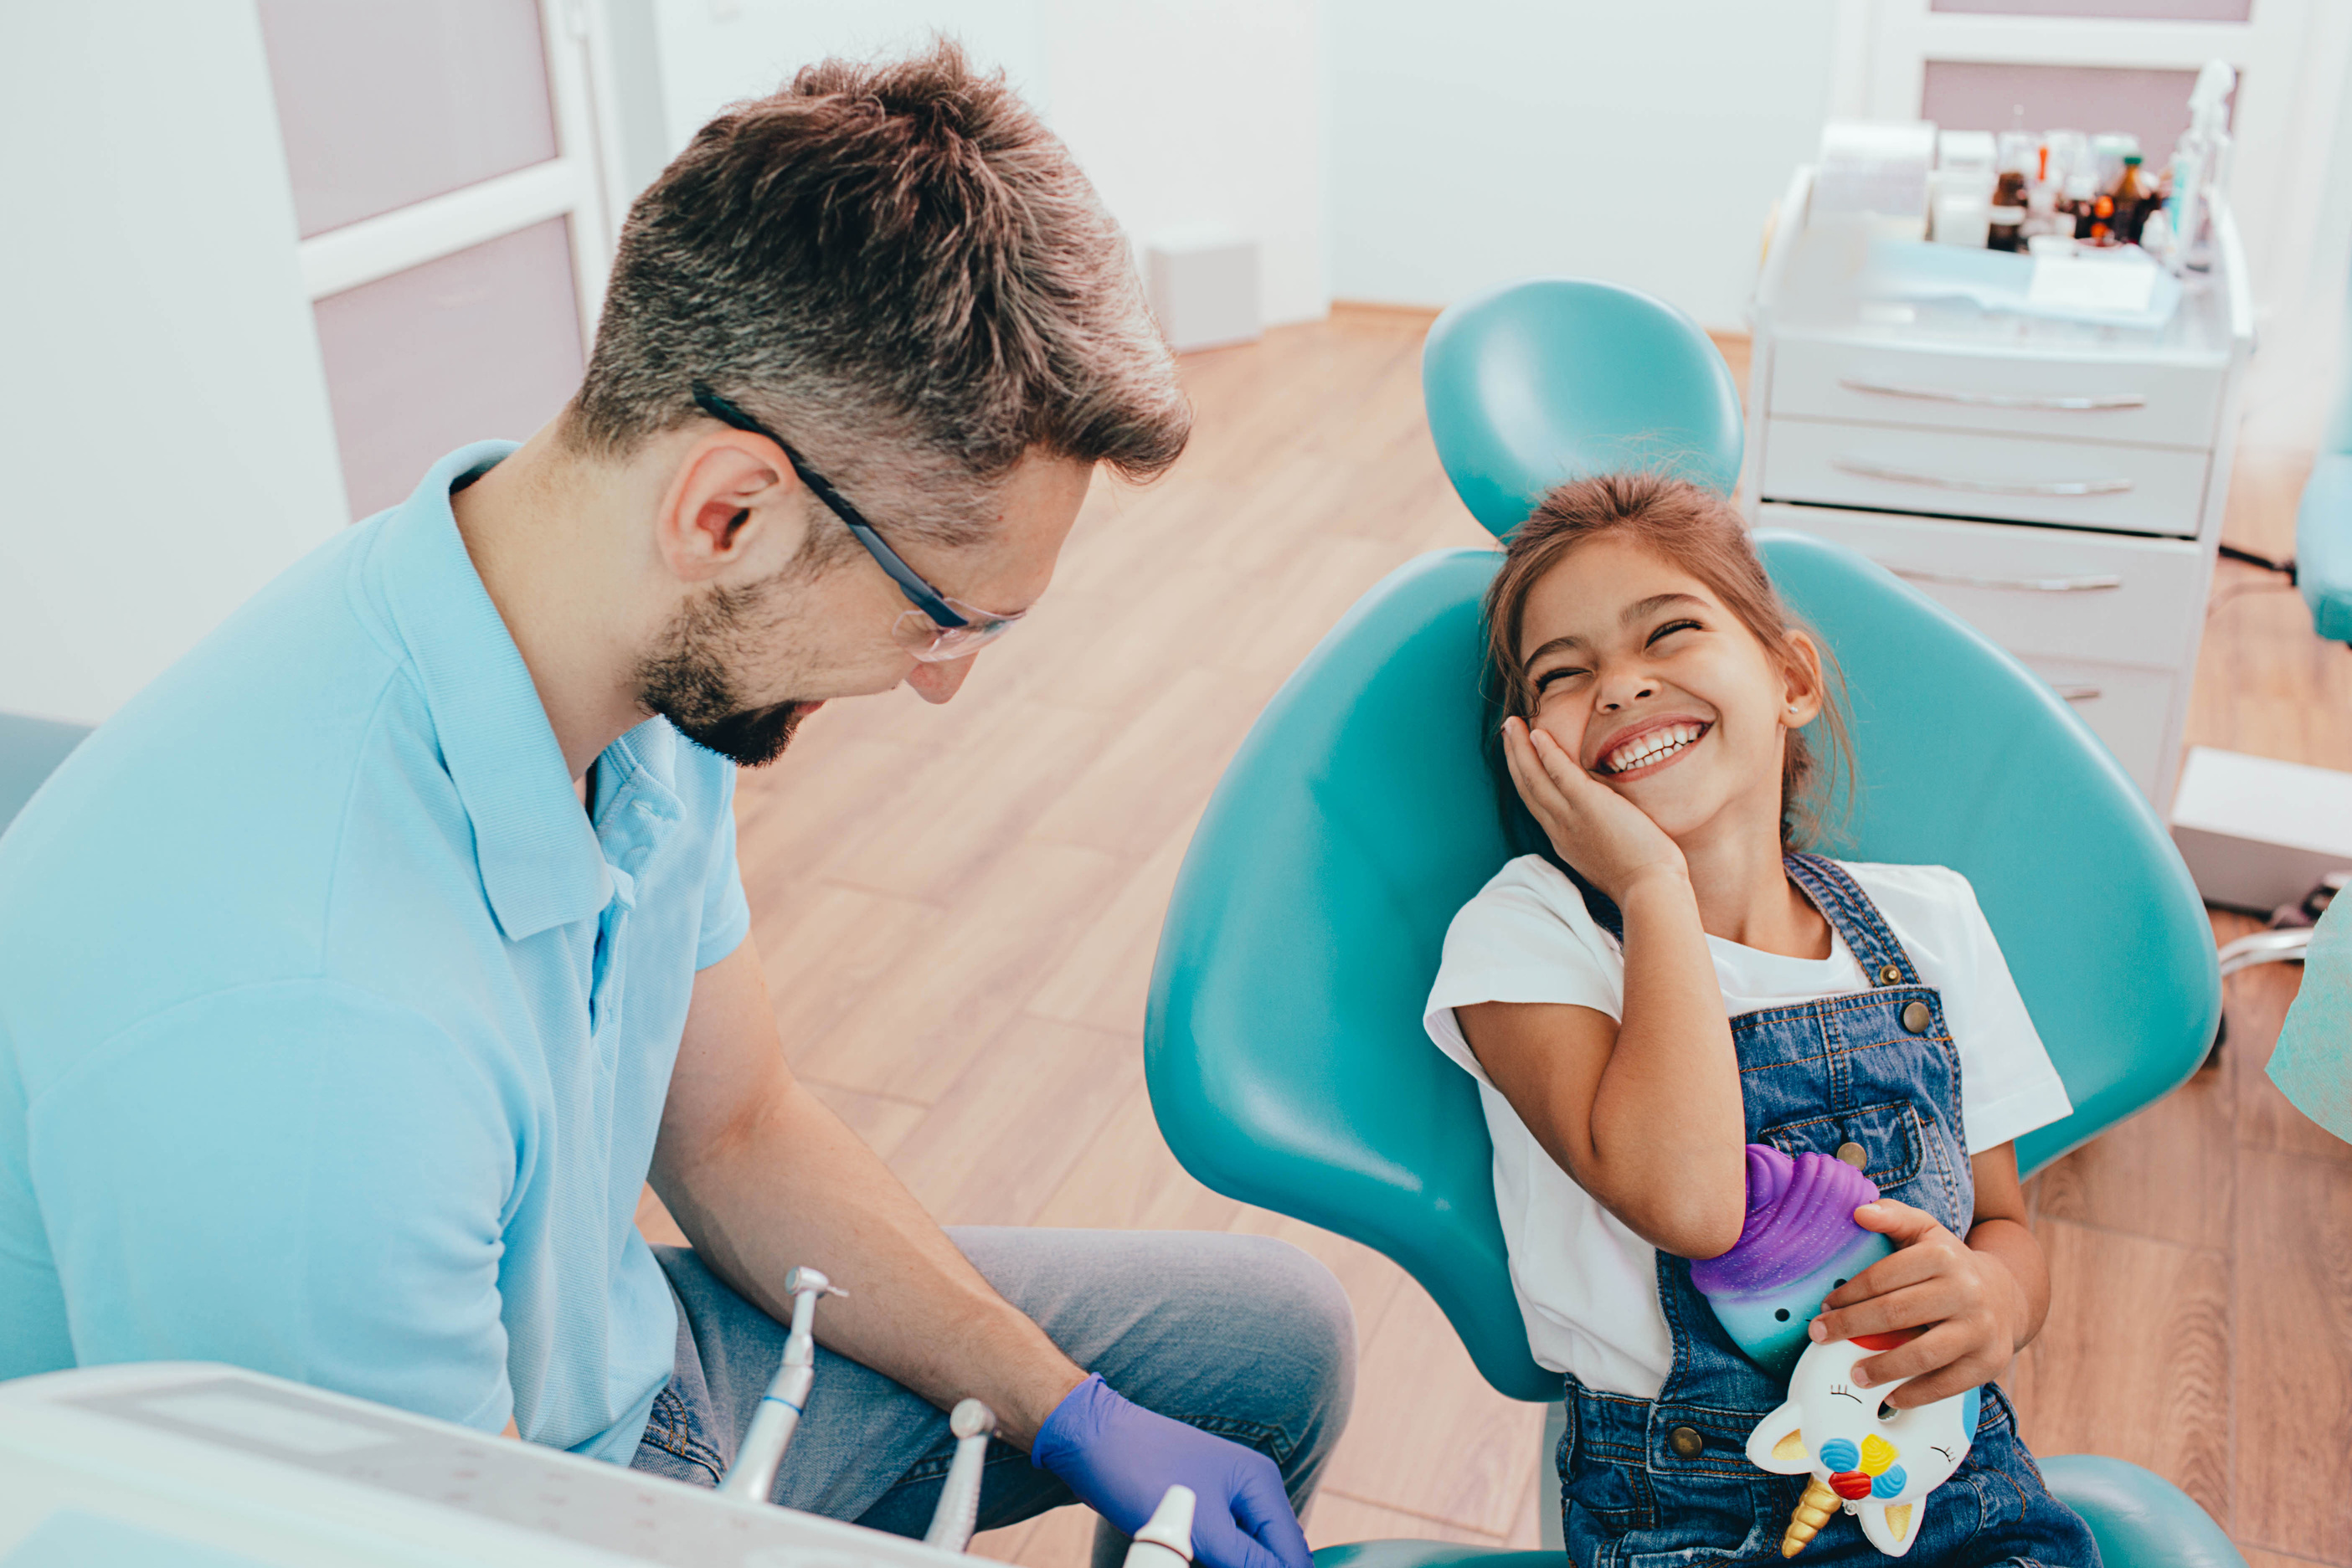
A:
{"points": [[1166, 1541], [973, 1424], [753, 1474]]}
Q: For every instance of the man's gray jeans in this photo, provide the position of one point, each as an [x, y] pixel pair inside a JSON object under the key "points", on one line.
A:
{"points": [[1240, 1336]]}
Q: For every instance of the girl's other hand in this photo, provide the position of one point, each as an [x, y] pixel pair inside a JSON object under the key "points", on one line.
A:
{"points": [[1966, 1302], [1608, 840]]}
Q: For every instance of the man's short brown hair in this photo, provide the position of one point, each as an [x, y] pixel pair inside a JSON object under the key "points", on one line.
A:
{"points": [[900, 268]]}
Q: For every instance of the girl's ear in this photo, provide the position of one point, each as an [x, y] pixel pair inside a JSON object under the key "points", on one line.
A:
{"points": [[1801, 681]]}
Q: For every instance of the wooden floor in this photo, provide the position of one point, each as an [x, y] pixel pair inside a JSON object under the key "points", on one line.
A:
{"points": [[958, 908]]}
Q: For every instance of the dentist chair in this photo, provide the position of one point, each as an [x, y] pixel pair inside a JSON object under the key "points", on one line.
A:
{"points": [[1283, 1049]]}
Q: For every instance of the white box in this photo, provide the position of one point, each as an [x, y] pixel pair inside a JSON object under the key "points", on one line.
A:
{"points": [[1204, 287], [2258, 832]]}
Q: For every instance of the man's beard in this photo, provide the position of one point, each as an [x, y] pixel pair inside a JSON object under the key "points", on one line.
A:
{"points": [[685, 680]]}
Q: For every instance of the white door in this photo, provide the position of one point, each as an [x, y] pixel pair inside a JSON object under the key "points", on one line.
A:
{"points": [[2127, 64], [455, 225]]}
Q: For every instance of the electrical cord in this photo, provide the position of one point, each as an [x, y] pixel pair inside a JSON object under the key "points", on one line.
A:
{"points": [[2284, 568]]}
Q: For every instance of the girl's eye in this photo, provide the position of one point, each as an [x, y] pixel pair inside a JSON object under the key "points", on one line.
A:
{"points": [[1669, 629], [1543, 681]]}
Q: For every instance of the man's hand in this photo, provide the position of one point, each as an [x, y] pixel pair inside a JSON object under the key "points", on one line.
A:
{"points": [[1121, 1459], [1968, 1303]]}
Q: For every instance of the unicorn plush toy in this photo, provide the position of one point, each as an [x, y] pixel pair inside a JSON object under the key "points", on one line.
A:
{"points": [[1799, 1243]]}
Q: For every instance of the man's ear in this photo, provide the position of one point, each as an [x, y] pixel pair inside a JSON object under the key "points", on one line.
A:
{"points": [[726, 504], [1804, 685]]}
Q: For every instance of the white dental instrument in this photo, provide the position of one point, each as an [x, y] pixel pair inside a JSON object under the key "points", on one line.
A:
{"points": [[959, 1507], [1166, 1541], [754, 1475]]}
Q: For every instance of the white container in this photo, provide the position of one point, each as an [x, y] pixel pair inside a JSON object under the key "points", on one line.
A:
{"points": [[1971, 149], [1204, 287], [2258, 832]]}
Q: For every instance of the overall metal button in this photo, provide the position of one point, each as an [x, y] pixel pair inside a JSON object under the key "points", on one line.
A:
{"points": [[1850, 1153], [1686, 1442], [1915, 1017], [1888, 974]]}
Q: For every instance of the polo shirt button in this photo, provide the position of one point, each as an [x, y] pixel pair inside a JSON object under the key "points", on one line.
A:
{"points": [[1915, 1017], [1889, 974], [1851, 1154], [1686, 1442]]}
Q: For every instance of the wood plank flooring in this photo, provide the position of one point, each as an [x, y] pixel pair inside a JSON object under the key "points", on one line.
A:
{"points": [[958, 908]]}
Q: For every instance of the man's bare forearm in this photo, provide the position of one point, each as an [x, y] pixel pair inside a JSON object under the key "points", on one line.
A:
{"points": [[788, 1185]]}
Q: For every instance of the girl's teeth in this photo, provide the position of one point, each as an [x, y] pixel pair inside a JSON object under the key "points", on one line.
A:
{"points": [[1656, 745]]}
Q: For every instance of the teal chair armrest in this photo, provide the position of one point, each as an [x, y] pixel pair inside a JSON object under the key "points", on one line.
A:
{"points": [[2139, 1519], [2323, 546]]}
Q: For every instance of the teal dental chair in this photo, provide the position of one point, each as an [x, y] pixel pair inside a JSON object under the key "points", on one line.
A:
{"points": [[2323, 530], [1283, 1049]]}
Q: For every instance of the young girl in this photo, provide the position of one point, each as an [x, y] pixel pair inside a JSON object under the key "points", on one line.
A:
{"points": [[1668, 980]]}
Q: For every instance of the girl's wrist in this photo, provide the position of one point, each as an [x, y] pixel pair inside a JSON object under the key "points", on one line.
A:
{"points": [[1661, 882]]}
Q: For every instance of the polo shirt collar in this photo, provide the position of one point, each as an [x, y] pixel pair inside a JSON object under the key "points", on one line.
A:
{"points": [[540, 862]]}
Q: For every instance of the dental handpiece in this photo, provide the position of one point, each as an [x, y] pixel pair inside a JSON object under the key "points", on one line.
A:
{"points": [[1166, 1540], [753, 1474], [959, 1506]]}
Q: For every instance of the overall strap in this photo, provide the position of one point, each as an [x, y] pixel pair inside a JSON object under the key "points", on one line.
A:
{"points": [[1839, 898], [1845, 906]]}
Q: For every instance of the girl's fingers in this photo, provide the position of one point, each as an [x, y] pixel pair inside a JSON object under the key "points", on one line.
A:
{"points": [[1939, 1346], [1557, 766], [1891, 1273], [1907, 1308], [1534, 781], [1953, 1364]]}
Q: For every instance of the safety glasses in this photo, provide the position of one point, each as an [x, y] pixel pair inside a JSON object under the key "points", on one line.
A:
{"points": [[937, 629]]}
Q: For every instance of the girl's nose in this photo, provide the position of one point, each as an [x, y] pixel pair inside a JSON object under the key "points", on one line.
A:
{"points": [[1611, 703]]}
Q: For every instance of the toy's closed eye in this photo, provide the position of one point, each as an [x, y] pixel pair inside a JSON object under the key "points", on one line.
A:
{"points": [[1840, 1391], [1949, 1458]]}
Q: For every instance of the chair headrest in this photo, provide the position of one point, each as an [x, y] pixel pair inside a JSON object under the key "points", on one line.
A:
{"points": [[1552, 379]]}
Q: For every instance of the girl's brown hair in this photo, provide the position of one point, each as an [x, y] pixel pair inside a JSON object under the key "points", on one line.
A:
{"points": [[1700, 532]]}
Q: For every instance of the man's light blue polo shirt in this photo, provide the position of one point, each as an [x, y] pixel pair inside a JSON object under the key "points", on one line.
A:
{"points": [[334, 1035]]}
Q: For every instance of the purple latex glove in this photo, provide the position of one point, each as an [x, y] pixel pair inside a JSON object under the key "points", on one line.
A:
{"points": [[1120, 1459]]}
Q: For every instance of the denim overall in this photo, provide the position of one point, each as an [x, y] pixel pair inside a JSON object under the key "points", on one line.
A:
{"points": [[1649, 1483]]}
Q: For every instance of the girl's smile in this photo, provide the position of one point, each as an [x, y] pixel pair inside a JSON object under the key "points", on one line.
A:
{"points": [[1647, 745]]}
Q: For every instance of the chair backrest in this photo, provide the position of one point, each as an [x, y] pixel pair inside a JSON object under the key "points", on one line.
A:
{"points": [[1541, 380], [30, 751], [1284, 1048]]}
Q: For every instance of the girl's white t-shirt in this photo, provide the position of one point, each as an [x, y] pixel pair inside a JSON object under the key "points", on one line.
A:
{"points": [[1587, 1284]]}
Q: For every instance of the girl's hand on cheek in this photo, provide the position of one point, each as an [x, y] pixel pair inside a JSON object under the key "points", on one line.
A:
{"points": [[1606, 837], [1965, 1300]]}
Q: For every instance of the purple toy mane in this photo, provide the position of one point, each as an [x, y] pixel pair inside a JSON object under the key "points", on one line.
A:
{"points": [[1800, 1215]]}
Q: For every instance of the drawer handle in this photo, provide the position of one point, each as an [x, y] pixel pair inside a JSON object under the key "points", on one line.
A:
{"points": [[1870, 470], [2095, 582], [1996, 399], [2077, 694]]}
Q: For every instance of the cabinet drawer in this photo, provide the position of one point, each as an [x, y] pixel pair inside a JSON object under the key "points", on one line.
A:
{"points": [[2130, 709], [2035, 591], [2073, 400], [2134, 489]]}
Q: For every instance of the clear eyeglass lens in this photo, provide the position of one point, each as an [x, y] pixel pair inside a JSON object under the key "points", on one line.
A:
{"points": [[928, 641]]}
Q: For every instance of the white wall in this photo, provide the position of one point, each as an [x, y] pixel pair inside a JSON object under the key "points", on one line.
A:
{"points": [[1186, 113], [1638, 140], [163, 419]]}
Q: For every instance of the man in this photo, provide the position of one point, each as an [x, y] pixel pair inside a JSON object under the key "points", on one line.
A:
{"points": [[355, 976]]}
